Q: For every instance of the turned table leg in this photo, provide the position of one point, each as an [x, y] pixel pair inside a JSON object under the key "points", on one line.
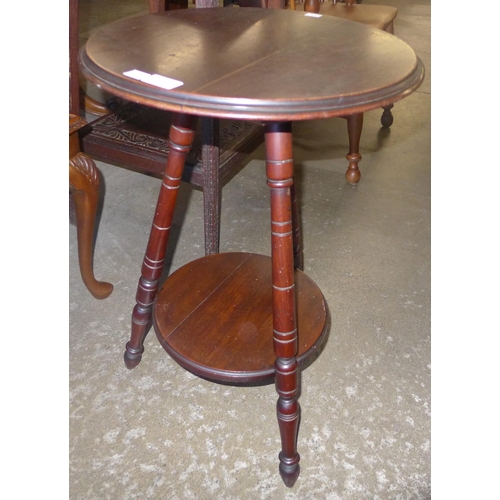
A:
{"points": [[354, 128], [279, 164], [181, 138]]}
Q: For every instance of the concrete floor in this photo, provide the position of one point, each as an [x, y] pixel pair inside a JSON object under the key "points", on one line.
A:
{"points": [[159, 432]]}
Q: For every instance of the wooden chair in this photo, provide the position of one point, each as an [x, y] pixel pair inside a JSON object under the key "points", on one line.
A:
{"points": [[136, 137], [83, 175], [84, 186], [377, 16]]}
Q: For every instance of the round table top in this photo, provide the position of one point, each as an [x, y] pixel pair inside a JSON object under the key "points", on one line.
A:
{"points": [[251, 63]]}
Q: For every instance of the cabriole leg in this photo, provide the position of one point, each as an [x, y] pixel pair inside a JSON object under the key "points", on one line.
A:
{"points": [[279, 163], [181, 138], [84, 186]]}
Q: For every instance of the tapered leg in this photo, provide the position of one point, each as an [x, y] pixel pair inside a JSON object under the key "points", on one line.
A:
{"points": [[279, 163], [210, 159], [354, 128], [181, 138], [84, 186]]}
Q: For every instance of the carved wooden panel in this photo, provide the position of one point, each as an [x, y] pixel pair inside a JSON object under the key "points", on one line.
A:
{"points": [[136, 136]]}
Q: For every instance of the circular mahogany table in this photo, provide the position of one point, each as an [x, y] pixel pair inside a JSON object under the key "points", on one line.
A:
{"points": [[240, 317]]}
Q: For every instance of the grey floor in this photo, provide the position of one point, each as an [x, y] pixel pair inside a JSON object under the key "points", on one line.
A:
{"points": [[159, 432]]}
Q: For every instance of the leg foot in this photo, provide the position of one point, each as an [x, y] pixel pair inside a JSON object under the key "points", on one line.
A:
{"points": [[353, 175], [387, 119], [132, 357], [289, 473]]}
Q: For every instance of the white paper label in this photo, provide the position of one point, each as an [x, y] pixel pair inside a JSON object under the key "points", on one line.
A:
{"points": [[157, 80]]}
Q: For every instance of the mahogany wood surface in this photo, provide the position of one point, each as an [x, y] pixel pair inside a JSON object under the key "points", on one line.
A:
{"points": [[221, 327]]}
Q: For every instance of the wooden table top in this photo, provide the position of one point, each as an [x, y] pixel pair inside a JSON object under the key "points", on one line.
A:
{"points": [[251, 63]]}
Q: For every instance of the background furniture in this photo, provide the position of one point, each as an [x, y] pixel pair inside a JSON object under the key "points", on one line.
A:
{"points": [[84, 186], [376, 16]]}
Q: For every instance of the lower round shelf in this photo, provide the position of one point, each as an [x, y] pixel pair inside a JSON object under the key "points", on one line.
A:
{"points": [[214, 316]]}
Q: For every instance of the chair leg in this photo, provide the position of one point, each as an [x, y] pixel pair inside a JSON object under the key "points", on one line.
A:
{"points": [[354, 128], [84, 186], [387, 118], [211, 185]]}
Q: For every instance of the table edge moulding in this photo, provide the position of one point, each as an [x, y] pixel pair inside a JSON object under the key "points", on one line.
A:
{"points": [[297, 106]]}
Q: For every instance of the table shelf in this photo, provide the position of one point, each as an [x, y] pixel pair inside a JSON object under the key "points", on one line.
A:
{"points": [[214, 316]]}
